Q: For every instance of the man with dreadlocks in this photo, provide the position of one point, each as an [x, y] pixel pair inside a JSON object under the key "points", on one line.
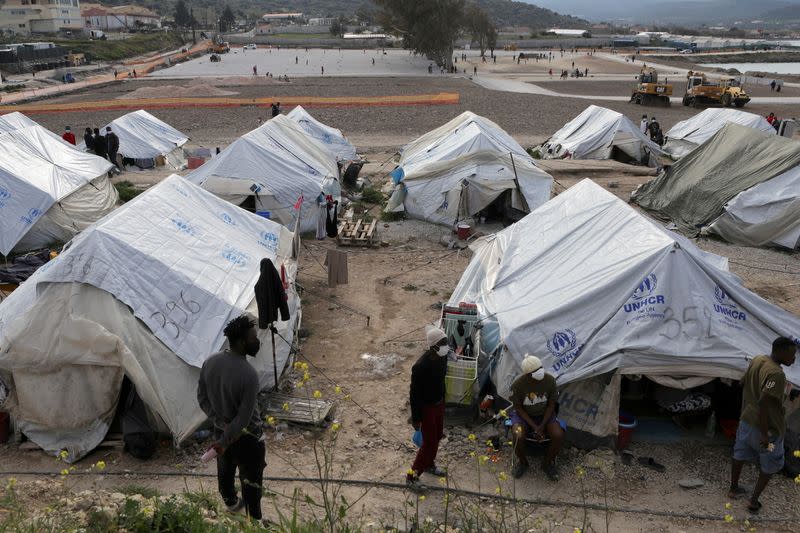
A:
{"points": [[227, 394]]}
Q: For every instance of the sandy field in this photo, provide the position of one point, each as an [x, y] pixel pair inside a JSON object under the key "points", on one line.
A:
{"points": [[399, 286]]}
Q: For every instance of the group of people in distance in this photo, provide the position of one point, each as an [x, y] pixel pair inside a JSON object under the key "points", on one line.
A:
{"points": [[105, 146]]}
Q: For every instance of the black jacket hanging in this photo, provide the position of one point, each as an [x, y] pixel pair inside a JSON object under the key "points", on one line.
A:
{"points": [[270, 296], [332, 220]]}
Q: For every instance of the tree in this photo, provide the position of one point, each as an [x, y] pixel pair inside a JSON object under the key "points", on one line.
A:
{"points": [[227, 20], [481, 28], [428, 27], [338, 26], [182, 17]]}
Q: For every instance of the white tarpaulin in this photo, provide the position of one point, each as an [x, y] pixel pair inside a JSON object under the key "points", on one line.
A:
{"points": [[146, 292], [591, 286], [768, 213], [448, 191], [278, 164], [38, 174], [468, 133], [599, 133], [333, 140], [15, 121], [688, 134], [143, 136]]}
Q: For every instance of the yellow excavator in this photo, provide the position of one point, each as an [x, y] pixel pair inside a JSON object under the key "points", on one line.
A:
{"points": [[725, 92], [219, 45], [649, 91]]}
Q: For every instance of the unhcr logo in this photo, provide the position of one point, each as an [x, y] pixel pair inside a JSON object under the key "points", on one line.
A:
{"points": [[268, 240], [32, 216], [563, 345], [184, 227], [235, 256], [644, 295], [226, 218], [4, 196], [726, 306]]}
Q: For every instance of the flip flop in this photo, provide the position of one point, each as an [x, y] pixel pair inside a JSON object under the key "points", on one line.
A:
{"points": [[651, 463], [754, 509], [626, 457]]}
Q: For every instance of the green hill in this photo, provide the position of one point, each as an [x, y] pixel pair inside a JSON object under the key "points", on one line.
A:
{"points": [[510, 13]]}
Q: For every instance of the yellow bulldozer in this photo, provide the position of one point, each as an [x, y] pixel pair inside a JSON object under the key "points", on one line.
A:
{"points": [[219, 46], [649, 91], [725, 92]]}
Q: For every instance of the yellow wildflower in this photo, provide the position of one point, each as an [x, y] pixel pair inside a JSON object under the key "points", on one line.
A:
{"points": [[421, 497], [63, 454], [489, 443], [498, 490], [483, 459], [728, 518], [306, 377], [472, 454], [728, 505], [271, 420], [502, 476], [101, 465], [442, 481], [472, 437], [503, 413], [65, 472], [336, 426], [346, 397], [746, 523], [338, 389], [796, 453], [510, 443], [317, 394], [577, 530], [411, 472], [12, 481], [580, 471], [797, 479], [285, 406]]}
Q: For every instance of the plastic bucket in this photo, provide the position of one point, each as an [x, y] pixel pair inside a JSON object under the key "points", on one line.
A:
{"points": [[265, 214], [627, 423], [463, 231], [4, 427]]}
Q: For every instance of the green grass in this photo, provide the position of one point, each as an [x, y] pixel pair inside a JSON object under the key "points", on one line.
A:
{"points": [[371, 195], [147, 492], [410, 287], [127, 191], [392, 217], [115, 50]]}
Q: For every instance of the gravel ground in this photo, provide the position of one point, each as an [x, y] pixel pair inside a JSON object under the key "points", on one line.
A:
{"points": [[528, 117]]}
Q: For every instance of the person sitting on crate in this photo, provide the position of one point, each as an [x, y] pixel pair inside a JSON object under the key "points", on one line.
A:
{"points": [[427, 405], [534, 398]]}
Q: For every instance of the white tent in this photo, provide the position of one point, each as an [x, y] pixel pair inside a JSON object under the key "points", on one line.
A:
{"points": [[468, 133], [49, 191], [688, 134], [143, 293], [449, 191], [15, 121], [595, 288], [143, 138], [462, 167], [333, 140], [277, 164], [600, 133]]}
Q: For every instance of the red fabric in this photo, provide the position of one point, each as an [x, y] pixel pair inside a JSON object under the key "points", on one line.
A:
{"points": [[283, 278], [298, 203], [432, 432], [69, 137]]}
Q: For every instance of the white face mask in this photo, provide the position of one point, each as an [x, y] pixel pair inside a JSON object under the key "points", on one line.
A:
{"points": [[443, 351], [538, 375]]}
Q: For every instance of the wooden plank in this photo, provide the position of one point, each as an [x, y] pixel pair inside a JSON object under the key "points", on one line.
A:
{"points": [[31, 446], [371, 230], [358, 225]]}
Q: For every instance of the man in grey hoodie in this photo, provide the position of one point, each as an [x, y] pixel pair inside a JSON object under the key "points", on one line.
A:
{"points": [[227, 394]]}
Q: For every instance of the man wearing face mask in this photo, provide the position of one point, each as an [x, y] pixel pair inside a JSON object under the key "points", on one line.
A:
{"points": [[227, 394], [427, 405], [534, 396]]}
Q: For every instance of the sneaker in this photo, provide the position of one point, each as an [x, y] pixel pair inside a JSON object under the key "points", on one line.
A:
{"points": [[415, 485], [235, 507], [436, 471], [518, 469], [551, 471]]}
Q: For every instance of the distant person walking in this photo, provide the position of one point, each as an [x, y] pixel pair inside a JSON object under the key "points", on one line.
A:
{"points": [[772, 85], [68, 136], [643, 125], [112, 145], [255, 70], [276, 109], [88, 140], [655, 132], [322, 70], [475, 71]]}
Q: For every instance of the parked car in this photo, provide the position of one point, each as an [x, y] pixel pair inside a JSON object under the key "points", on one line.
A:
{"points": [[686, 51]]}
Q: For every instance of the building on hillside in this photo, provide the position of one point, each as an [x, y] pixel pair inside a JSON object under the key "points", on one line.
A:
{"points": [[281, 17], [569, 33], [40, 16], [321, 21], [118, 18], [30, 57]]}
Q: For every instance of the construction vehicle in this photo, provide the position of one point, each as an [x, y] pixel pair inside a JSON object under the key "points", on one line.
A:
{"points": [[725, 92], [649, 91], [218, 46]]}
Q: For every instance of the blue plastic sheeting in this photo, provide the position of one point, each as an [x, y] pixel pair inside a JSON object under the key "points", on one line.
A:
{"points": [[397, 175]]}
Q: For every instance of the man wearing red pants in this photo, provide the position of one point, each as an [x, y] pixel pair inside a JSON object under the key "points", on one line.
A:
{"points": [[427, 405]]}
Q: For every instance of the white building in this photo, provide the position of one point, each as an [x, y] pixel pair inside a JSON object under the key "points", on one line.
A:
{"points": [[118, 18], [40, 16], [281, 17], [569, 33]]}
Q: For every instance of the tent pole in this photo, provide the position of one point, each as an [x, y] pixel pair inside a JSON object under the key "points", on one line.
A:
{"points": [[274, 356], [516, 182]]}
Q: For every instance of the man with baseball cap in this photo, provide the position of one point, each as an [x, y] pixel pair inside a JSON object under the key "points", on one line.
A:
{"points": [[427, 404], [534, 395]]}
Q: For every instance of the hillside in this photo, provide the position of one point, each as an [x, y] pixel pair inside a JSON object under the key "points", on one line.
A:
{"points": [[504, 12]]}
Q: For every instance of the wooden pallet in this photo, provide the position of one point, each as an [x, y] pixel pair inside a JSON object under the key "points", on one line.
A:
{"points": [[357, 233], [302, 410]]}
